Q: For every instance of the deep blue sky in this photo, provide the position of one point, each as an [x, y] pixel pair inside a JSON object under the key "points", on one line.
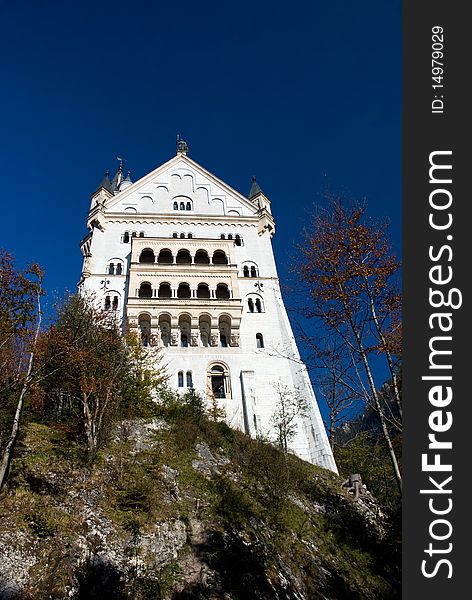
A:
{"points": [[304, 95]]}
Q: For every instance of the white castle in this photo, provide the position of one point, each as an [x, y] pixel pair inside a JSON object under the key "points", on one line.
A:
{"points": [[187, 262]]}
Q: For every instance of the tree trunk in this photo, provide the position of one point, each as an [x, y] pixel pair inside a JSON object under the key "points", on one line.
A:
{"points": [[396, 390]]}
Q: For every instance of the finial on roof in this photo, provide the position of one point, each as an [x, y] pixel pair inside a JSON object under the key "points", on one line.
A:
{"points": [[118, 178], [255, 188], [182, 146]]}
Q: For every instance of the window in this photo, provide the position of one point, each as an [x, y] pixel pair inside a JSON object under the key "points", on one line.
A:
{"points": [[258, 305], [219, 381], [147, 256], [219, 258], [189, 379], [107, 303], [222, 236], [203, 291], [165, 257], [182, 206], [224, 341], [174, 235], [259, 340], [164, 326], [183, 257], [189, 206], [134, 234], [184, 340], [246, 271], [222, 291], [126, 237], [164, 291], [144, 321], [201, 257], [183, 291], [141, 234], [250, 305], [176, 206], [230, 236], [180, 379], [237, 239], [182, 235], [115, 303], [119, 269], [111, 269], [253, 271], [190, 236], [145, 290]]}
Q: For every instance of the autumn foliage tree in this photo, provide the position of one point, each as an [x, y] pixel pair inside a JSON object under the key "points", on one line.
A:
{"points": [[20, 323], [349, 277], [94, 375]]}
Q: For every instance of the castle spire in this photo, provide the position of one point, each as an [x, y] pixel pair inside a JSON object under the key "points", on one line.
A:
{"points": [[118, 178], [255, 189]]}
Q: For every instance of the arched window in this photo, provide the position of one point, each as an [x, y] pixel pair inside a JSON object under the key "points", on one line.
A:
{"points": [[219, 381], [246, 271], [203, 291], [165, 257], [222, 291], [164, 291], [174, 235], [230, 236], [250, 305], [147, 256], [111, 269], [222, 236], [253, 271], [141, 234], [189, 206], [189, 379], [183, 257], [126, 237], [115, 303], [201, 257], [119, 269], [164, 326], [224, 326], [190, 236], [145, 328], [145, 290], [259, 340], [183, 291], [107, 303], [180, 379], [182, 235], [204, 324], [237, 239], [219, 258], [133, 234], [176, 206], [182, 206], [184, 340], [258, 304]]}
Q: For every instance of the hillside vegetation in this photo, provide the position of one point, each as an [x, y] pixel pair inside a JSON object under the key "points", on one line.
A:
{"points": [[179, 506]]}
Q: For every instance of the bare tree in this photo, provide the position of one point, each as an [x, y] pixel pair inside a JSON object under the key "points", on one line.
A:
{"points": [[290, 406], [349, 277]]}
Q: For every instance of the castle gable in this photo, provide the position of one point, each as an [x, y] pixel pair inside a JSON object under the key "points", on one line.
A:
{"points": [[180, 186]]}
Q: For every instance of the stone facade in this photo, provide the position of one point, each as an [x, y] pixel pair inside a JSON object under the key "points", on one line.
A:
{"points": [[187, 262]]}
